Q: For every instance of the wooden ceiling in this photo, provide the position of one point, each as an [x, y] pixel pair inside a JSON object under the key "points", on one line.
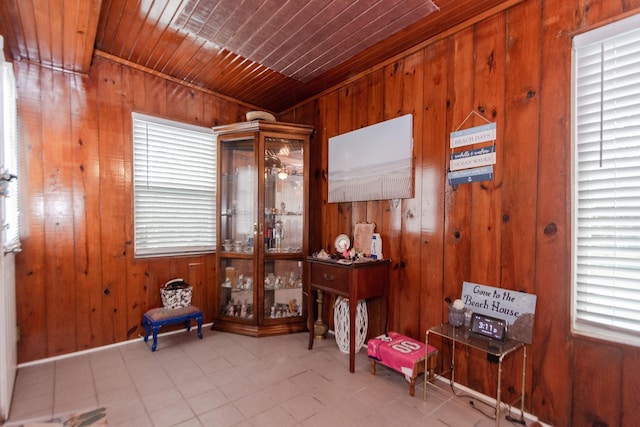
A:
{"points": [[270, 54]]}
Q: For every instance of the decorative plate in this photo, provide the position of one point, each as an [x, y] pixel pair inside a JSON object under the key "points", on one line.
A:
{"points": [[342, 243]]}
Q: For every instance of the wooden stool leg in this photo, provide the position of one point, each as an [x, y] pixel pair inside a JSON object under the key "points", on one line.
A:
{"points": [[373, 367], [147, 329], [418, 368], [199, 320], [155, 330], [432, 367]]}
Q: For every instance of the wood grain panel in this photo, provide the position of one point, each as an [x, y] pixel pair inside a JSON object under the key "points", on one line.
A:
{"points": [[410, 248], [58, 204], [377, 308], [519, 157], [434, 152], [486, 199], [149, 35], [11, 31], [138, 287], [114, 196], [630, 393], [457, 239], [71, 15], [391, 225], [630, 5], [330, 114], [520, 153], [485, 215], [120, 24], [552, 233], [601, 10], [605, 409], [43, 25], [30, 273], [86, 205]]}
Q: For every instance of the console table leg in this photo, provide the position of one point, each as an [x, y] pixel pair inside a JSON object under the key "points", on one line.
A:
{"points": [[320, 328], [426, 366], [353, 307], [498, 392], [524, 373]]}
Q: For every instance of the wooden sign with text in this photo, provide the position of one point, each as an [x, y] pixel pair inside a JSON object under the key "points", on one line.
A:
{"points": [[517, 308]]}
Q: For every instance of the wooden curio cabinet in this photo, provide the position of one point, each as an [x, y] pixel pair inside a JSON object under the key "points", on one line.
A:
{"points": [[262, 227]]}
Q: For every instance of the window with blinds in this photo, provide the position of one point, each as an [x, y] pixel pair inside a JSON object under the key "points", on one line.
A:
{"points": [[606, 183], [174, 187]]}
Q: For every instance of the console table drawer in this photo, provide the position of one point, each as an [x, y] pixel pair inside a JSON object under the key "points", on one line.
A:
{"points": [[331, 277]]}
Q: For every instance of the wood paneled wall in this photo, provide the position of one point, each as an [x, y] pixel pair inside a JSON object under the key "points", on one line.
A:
{"points": [[78, 284], [79, 287], [512, 68]]}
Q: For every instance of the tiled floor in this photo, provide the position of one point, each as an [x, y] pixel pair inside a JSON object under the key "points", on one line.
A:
{"points": [[232, 380]]}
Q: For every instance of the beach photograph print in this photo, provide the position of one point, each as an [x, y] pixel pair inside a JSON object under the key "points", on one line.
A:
{"points": [[372, 163]]}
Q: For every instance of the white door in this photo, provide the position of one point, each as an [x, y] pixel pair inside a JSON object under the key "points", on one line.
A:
{"points": [[8, 343], [8, 162]]}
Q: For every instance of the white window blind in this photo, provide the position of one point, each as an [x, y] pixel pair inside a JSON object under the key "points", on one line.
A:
{"points": [[174, 187], [9, 117], [606, 183]]}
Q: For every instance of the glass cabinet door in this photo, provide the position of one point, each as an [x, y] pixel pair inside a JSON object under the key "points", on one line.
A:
{"points": [[238, 197], [284, 195], [284, 200]]}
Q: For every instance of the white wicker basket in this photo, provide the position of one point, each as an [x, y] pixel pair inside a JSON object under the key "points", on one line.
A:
{"points": [[176, 293], [342, 322]]}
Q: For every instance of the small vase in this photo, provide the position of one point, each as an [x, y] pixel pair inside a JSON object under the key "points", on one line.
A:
{"points": [[456, 316]]}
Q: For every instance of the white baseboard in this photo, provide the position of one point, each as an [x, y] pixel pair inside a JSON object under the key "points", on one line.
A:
{"points": [[490, 401], [104, 347]]}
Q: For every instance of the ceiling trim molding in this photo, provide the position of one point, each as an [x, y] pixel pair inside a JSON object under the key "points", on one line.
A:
{"points": [[144, 69]]}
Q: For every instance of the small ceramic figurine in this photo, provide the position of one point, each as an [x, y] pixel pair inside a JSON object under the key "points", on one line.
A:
{"points": [[243, 309]]}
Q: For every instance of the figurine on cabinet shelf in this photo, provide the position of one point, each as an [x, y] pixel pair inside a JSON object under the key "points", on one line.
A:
{"points": [[230, 308], [243, 309]]}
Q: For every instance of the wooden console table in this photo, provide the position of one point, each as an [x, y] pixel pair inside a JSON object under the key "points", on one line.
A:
{"points": [[355, 281]]}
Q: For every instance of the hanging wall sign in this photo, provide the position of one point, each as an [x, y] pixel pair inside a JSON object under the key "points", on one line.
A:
{"points": [[467, 176], [517, 308], [474, 165], [474, 135], [473, 158]]}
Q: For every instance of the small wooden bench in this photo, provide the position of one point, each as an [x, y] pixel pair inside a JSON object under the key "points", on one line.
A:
{"points": [[156, 318], [402, 354]]}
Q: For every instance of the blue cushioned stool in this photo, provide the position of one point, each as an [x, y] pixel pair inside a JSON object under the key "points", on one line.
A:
{"points": [[156, 318]]}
